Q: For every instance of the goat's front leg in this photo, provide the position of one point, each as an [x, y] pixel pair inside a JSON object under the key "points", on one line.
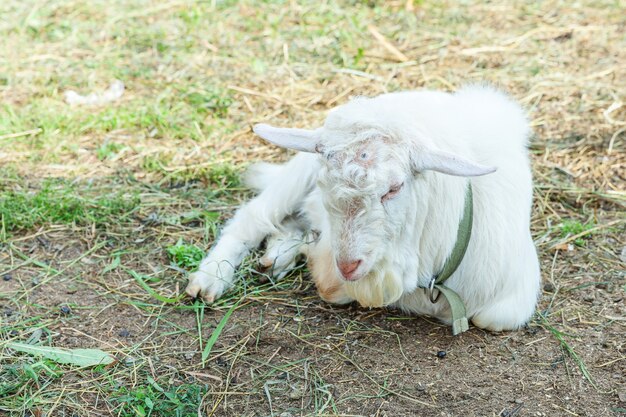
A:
{"points": [[250, 225], [216, 272], [283, 248]]}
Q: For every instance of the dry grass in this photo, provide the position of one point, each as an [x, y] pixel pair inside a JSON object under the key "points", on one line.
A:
{"points": [[92, 197]]}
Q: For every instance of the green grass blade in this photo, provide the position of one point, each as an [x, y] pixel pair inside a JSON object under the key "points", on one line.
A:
{"points": [[570, 351], [216, 334], [150, 291]]}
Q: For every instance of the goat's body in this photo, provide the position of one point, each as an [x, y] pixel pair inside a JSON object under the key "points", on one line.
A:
{"points": [[498, 278]]}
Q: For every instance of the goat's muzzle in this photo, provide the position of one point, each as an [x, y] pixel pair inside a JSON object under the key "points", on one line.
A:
{"points": [[348, 269]]}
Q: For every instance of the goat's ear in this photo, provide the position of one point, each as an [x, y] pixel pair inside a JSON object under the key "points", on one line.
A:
{"points": [[297, 139], [449, 163]]}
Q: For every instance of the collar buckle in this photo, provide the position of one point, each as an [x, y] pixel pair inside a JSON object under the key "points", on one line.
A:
{"points": [[432, 292]]}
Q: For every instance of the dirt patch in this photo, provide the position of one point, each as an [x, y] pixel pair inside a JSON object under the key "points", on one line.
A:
{"points": [[289, 349]]}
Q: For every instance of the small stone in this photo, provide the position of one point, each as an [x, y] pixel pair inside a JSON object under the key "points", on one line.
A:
{"points": [[129, 361], [65, 310], [532, 330], [295, 393], [589, 298], [7, 277], [441, 354], [88, 261], [548, 287], [124, 333]]}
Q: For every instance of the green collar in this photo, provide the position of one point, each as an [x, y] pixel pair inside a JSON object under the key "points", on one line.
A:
{"points": [[457, 307]]}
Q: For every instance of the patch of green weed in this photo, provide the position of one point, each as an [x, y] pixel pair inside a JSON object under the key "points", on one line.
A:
{"points": [[574, 227], [185, 256], [108, 150], [156, 163], [153, 399], [16, 378], [224, 175], [221, 176], [213, 102]]}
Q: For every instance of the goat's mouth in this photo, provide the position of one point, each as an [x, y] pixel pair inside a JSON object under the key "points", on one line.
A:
{"points": [[350, 270], [354, 270], [353, 278]]}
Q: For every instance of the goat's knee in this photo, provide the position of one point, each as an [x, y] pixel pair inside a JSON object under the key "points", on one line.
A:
{"points": [[283, 248], [508, 313]]}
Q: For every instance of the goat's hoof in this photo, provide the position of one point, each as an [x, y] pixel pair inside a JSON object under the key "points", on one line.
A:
{"points": [[202, 286], [266, 262]]}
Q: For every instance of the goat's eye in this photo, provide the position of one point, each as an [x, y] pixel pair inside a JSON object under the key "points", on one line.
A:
{"points": [[393, 191]]}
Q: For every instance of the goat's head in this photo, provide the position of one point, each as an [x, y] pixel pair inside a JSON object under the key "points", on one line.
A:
{"points": [[366, 180]]}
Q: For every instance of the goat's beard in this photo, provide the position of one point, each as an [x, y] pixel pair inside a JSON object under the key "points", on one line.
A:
{"points": [[381, 287]]}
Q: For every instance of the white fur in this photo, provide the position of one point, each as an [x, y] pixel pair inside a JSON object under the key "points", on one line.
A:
{"points": [[428, 142]]}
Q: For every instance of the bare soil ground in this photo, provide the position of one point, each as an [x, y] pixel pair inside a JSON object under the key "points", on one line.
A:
{"points": [[94, 201]]}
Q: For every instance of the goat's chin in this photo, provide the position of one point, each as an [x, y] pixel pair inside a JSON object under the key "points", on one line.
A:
{"points": [[378, 289], [354, 278]]}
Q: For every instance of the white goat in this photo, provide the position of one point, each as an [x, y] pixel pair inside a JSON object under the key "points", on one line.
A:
{"points": [[378, 193]]}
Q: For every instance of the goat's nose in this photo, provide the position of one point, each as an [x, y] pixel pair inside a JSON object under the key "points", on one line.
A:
{"points": [[347, 268]]}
